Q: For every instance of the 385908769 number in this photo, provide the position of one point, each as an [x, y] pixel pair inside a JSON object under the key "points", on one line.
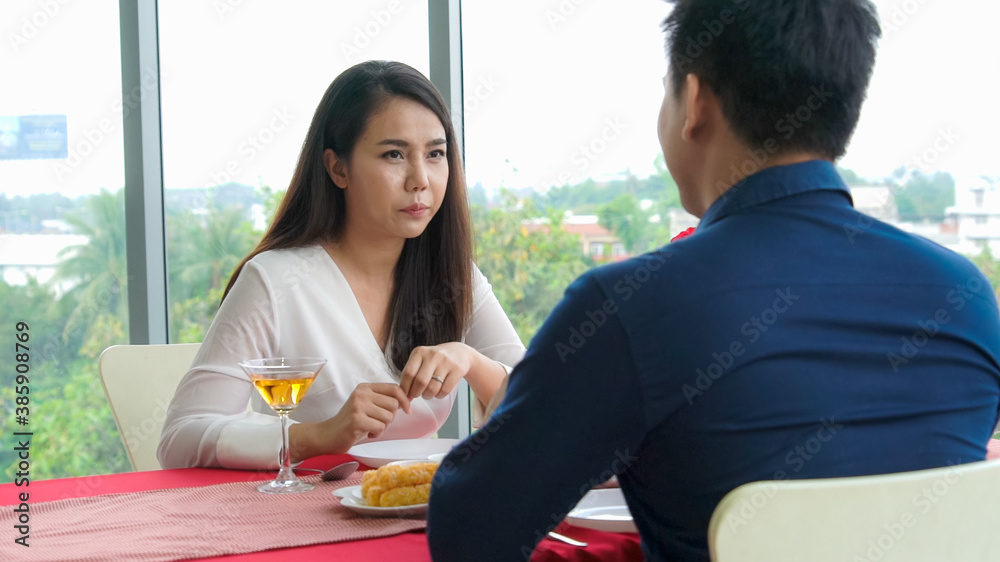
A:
{"points": [[22, 367]]}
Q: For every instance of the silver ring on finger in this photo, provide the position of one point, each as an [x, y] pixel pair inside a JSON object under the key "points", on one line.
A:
{"points": [[439, 379]]}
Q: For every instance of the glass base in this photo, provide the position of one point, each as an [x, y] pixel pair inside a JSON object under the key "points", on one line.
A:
{"points": [[279, 487]]}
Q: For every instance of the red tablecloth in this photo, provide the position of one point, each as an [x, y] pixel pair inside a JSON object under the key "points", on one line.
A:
{"points": [[407, 546], [993, 449]]}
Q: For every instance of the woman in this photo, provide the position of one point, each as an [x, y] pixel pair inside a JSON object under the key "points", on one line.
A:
{"points": [[367, 263]]}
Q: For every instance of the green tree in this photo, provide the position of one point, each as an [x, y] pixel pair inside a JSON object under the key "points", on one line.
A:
{"points": [[588, 195], [660, 232], [74, 431], [575, 197], [37, 305], [25, 214], [850, 177], [625, 218], [662, 186], [926, 196], [190, 318], [271, 199], [527, 260], [204, 251], [477, 195], [97, 268]]}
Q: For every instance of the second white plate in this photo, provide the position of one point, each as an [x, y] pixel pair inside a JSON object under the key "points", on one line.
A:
{"points": [[350, 497], [378, 453], [604, 510]]}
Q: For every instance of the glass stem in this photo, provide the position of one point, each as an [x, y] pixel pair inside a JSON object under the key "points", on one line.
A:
{"points": [[286, 474]]}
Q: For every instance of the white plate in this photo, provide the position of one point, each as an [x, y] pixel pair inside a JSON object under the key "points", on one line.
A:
{"points": [[437, 457], [604, 510], [378, 453], [350, 497]]}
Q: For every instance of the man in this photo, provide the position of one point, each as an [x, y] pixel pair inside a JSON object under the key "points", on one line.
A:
{"points": [[789, 337]]}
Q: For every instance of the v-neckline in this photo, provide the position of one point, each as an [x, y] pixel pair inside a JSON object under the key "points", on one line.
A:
{"points": [[359, 312]]}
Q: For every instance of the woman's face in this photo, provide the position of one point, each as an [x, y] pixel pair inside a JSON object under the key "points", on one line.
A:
{"points": [[397, 175]]}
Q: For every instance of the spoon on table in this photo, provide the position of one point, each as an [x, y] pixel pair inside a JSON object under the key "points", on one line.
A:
{"points": [[338, 472], [566, 539]]}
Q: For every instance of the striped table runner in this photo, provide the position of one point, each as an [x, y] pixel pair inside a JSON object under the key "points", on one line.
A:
{"points": [[183, 523]]}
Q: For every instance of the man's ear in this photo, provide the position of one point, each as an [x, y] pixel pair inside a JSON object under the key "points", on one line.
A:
{"points": [[336, 168], [696, 109]]}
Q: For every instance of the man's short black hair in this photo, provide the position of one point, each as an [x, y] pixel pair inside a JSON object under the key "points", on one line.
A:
{"points": [[791, 74]]}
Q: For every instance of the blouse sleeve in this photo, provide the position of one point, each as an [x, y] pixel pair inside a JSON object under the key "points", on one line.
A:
{"points": [[490, 331], [208, 423]]}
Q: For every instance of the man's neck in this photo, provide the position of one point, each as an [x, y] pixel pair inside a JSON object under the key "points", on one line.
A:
{"points": [[727, 168]]}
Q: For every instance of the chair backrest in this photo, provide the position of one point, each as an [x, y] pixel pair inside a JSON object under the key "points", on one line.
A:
{"points": [[139, 381], [939, 514]]}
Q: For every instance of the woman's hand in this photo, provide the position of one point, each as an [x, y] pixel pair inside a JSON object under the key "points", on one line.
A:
{"points": [[433, 371], [368, 411]]}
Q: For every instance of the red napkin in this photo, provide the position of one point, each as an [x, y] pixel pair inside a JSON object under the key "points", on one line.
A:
{"points": [[683, 234], [602, 546]]}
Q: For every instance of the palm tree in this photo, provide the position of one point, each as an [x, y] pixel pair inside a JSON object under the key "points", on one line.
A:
{"points": [[97, 269], [204, 252]]}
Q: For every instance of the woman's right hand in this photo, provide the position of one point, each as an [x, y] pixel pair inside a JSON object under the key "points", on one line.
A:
{"points": [[366, 414]]}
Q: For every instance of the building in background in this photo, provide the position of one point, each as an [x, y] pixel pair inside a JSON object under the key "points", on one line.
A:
{"points": [[976, 215], [596, 241]]}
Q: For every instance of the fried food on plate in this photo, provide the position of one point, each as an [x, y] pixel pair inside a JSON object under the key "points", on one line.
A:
{"points": [[396, 485]]}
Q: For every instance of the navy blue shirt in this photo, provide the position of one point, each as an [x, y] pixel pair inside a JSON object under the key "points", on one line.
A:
{"points": [[790, 337]]}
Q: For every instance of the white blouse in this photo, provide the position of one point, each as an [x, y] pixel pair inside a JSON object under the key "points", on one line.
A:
{"points": [[296, 302]]}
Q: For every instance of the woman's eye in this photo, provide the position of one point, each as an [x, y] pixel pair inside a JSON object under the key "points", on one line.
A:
{"points": [[437, 154], [393, 154]]}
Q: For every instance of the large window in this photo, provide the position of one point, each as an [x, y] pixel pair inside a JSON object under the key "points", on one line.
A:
{"points": [[560, 107], [561, 103], [62, 234], [238, 96]]}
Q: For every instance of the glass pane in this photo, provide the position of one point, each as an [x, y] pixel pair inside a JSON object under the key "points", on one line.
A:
{"points": [[62, 243], [238, 95], [563, 116], [928, 147]]}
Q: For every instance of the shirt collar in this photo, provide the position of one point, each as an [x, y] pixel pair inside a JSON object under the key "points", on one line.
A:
{"points": [[775, 183]]}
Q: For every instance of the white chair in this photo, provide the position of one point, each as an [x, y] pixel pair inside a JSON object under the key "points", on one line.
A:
{"points": [[942, 514], [139, 381]]}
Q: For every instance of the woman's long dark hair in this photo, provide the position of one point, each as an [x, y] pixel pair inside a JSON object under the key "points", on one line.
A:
{"points": [[432, 294]]}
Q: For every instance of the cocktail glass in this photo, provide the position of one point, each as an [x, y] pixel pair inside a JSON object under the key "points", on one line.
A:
{"points": [[283, 382]]}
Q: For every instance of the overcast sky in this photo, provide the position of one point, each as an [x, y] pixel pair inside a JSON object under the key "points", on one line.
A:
{"points": [[544, 79]]}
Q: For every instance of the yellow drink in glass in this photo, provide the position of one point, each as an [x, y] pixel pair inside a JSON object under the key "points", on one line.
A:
{"points": [[283, 382]]}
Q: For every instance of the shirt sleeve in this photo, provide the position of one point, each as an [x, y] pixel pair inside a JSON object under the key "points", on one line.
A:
{"points": [[571, 418], [208, 423], [490, 331]]}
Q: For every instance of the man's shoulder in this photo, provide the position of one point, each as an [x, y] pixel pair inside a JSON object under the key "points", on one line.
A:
{"points": [[929, 257], [622, 280], [643, 266]]}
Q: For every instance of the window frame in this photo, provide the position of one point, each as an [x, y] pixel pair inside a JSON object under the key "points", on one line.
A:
{"points": [[145, 224]]}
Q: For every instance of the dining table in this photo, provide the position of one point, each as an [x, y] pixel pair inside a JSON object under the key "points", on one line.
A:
{"points": [[101, 521], [105, 510]]}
